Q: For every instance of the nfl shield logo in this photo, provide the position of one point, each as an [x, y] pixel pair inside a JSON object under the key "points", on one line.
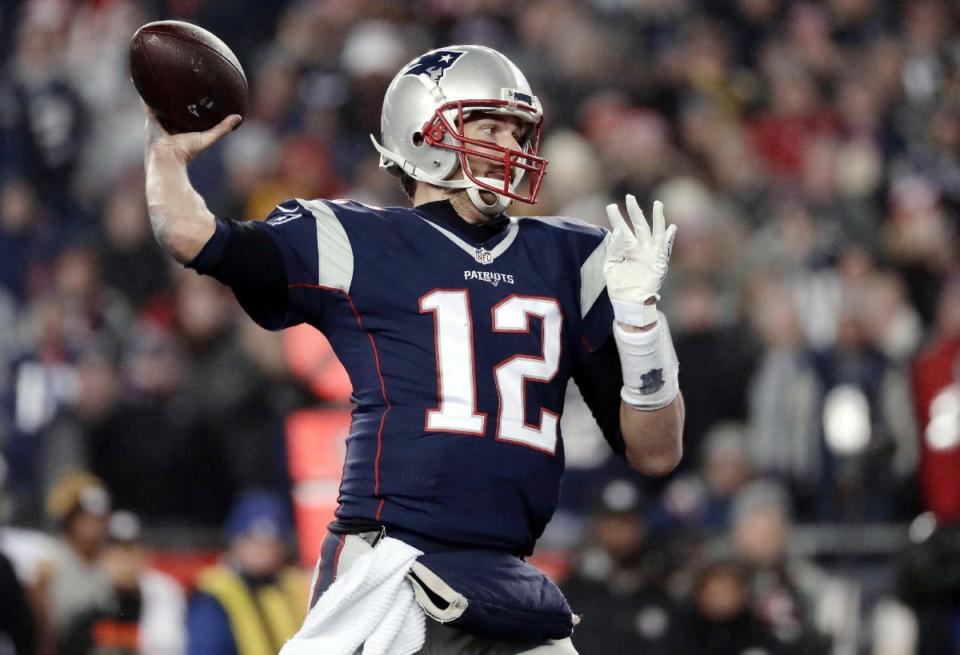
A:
{"points": [[483, 256]]}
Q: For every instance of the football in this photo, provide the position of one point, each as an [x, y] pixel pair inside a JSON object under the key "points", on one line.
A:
{"points": [[186, 75]]}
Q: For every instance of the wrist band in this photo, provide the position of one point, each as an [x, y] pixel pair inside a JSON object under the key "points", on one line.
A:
{"points": [[649, 365], [640, 315]]}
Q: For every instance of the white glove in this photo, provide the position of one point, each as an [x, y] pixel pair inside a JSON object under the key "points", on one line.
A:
{"points": [[636, 262]]}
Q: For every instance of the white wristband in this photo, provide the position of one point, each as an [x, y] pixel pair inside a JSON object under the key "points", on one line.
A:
{"points": [[631, 314], [649, 365]]}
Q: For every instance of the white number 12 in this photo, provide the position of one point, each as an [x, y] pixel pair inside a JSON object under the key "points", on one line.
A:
{"points": [[456, 380]]}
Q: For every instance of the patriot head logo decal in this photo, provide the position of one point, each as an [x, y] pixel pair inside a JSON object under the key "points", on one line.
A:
{"points": [[434, 64]]}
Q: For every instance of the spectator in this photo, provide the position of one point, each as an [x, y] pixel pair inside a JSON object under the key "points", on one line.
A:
{"points": [[720, 620], [64, 444], [783, 425], [237, 382], [797, 118], [79, 316], [148, 448], [845, 349], [147, 610], [928, 579], [915, 237], [936, 375], [30, 554], [698, 503], [871, 481], [80, 505], [45, 118], [714, 359], [131, 260], [26, 238], [254, 601], [785, 589], [95, 313], [619, 584]]}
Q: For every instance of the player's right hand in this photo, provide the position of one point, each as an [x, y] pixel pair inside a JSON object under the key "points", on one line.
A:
{"points": [[188, 145]]}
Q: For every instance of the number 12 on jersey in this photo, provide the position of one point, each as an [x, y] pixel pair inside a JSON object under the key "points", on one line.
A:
{"points": [[456, 379]]}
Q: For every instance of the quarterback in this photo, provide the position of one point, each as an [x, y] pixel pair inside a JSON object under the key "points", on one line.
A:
{"points": [[460, 326]]}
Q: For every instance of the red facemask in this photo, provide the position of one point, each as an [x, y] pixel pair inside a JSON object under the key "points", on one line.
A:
{"points": [[514, 162]]}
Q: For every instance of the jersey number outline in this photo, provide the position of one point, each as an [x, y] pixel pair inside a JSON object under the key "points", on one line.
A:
{"points": [[456, 378]]}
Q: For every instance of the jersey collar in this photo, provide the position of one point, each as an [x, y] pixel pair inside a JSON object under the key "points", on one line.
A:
{"points": [[442, 214], [470, 238]]}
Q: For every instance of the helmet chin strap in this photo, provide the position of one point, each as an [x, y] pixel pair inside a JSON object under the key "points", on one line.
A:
{"points": [[498, 206]]}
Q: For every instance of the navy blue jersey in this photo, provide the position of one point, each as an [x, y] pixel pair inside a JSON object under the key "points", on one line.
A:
{"points": [[459, 355]]}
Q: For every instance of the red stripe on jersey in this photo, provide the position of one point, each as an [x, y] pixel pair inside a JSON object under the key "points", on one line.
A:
{"points": [[323, 287], [386, 401], [586, 343], [383, 386]]}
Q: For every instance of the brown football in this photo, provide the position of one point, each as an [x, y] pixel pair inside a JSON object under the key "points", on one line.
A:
{"points": [[186, 75]]}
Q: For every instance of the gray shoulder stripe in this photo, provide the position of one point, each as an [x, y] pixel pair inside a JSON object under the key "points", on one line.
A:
{"points": [[460, 243], [592, 281], [335, 254]]}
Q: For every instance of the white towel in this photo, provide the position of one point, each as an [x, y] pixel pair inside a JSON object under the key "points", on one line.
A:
{"points": [[370, 605]]}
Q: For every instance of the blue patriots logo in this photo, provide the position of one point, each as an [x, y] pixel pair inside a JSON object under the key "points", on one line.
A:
{"points": [[434, 64]]}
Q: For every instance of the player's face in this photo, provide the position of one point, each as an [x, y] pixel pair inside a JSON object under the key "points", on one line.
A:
{"points": [[504, 131]]}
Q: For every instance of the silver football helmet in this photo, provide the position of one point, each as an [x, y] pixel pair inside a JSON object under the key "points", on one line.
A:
{"points": [[424, 110]]}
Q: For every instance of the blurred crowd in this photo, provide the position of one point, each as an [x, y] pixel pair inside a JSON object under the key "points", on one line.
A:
{"points": [[809, 153]]}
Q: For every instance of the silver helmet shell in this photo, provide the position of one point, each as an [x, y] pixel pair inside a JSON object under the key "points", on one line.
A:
{"points": [[422, 122]]}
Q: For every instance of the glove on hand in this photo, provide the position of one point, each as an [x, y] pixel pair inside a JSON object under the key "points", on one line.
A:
{"points": [[636, 262]]}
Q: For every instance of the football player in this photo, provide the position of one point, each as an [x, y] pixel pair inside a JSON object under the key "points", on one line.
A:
{"points": [[460, 326]]}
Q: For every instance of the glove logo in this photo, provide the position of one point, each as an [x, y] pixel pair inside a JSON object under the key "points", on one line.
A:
{"points": [[651, 381]]}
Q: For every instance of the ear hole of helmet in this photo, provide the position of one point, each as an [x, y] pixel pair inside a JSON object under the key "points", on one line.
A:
{"points": [[417, 139]]}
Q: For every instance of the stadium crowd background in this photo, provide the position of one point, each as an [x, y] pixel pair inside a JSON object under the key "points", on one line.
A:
{"points": [[809, 153]]}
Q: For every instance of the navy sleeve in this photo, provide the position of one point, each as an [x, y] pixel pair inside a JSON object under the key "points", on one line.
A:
{"points": [[598, 323], [261, 260], [596, 367], [599, 378], [249, 262]]}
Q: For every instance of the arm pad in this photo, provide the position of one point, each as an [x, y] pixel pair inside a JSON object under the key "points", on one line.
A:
{"points": [[649, 365]]}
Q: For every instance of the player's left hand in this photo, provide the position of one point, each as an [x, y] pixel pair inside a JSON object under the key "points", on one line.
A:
{"points": [[636, 263]]}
